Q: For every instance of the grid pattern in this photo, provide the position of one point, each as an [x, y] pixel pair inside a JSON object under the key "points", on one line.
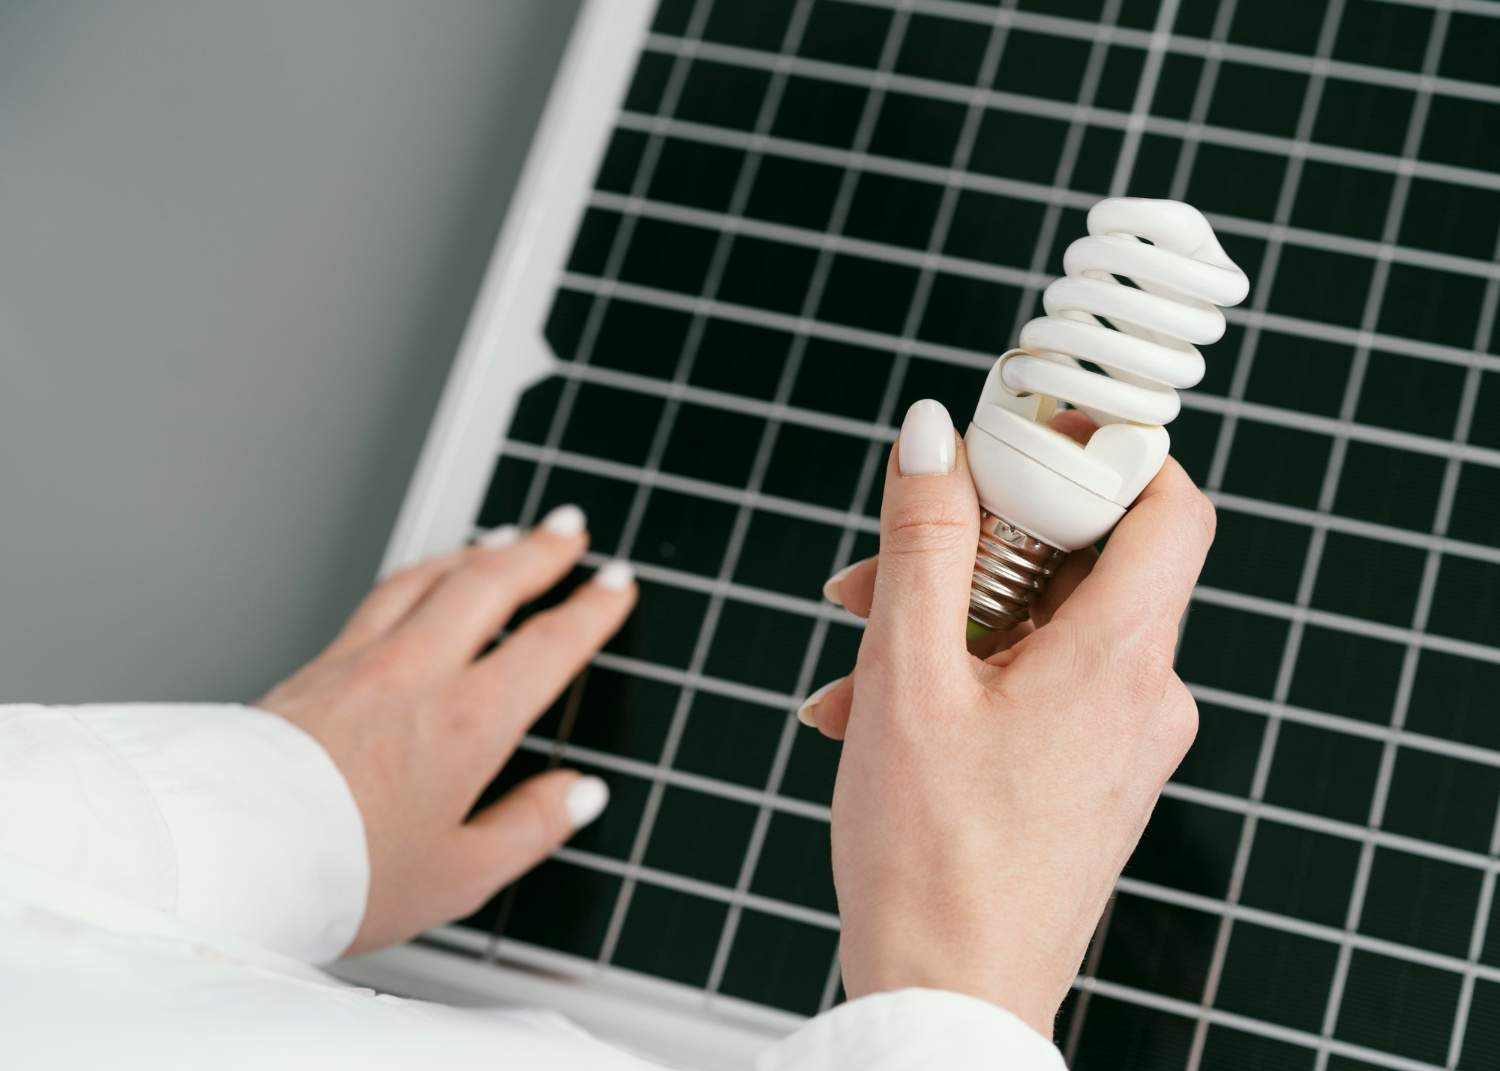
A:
{"points": [[813, 212]]}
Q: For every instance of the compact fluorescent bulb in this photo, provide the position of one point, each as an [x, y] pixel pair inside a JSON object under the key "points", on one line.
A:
{"points": [[1042, 494]]}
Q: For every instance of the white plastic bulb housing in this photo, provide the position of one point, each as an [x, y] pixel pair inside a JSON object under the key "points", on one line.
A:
{"points": [[1043, 493]]}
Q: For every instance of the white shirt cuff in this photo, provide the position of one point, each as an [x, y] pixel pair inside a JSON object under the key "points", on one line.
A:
{"points": [[229, 818], [912, 1029]]}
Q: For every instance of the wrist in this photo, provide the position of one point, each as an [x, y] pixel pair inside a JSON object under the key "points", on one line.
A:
{"points": [[999, 978]]}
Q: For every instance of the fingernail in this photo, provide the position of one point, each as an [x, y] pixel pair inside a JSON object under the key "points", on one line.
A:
{"points": [[585, 800], [500, 538], [926, 440], [564, 520], [805, 711], [831, 585], [614, 576]]}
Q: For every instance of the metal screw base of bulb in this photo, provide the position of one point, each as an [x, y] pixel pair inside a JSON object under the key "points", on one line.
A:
{"points": [[1010, 571]]}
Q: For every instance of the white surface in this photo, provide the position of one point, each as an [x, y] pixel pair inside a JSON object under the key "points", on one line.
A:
{"points": [[633, 1012]]}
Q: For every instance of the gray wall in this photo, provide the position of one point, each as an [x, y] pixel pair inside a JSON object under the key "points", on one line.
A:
{"points": [[238, 243]]}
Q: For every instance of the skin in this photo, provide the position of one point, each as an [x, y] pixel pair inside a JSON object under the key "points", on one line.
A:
{"points": [[986, 800], [419, 722]]}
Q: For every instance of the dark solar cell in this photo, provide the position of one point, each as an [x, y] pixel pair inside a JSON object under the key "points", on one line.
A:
{"points": [[1369, 578], [768, 366], [1397, 1006], [1257, 555]]}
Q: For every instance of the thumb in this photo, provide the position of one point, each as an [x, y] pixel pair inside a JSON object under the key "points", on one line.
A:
{"points": [[529, 823], [929, 529]]}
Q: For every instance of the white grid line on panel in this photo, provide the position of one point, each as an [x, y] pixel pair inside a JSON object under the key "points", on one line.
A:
{"points": [[635, 871], [1203, 96], [1124, 167], [1486, 864], [712, 786], [1087, 972], [1478, 934], [782, 412], [1345, 622], [619, 248], [1292, 325], [880, 432], [916, 311], [456, 940], [1264, 287], [1148, 890], [1489, 8], [1463, 427], [698, 681], [1114, 990], [516, 954], [895, 34], [1396, 211], [1256, 507], [770, 104], [1477, 938], [1340, 723], [1186, 45], [1029, 279], [831, 983], [1217, 800], [1202, 593], [1155, 45], [1034, 280], [1022, 190], [1269, 414], [1406, 537], [1133, 886], [810, 239], [1466, 752], [1207, 133], [1187, 159], [1259, 1027]]}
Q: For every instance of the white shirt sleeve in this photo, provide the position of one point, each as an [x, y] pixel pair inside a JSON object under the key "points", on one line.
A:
{"points": [[228, 818], [233, 821], [913, 1030]]}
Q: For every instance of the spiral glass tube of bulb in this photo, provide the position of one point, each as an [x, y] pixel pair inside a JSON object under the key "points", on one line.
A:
{"points": [[1140, 292]]}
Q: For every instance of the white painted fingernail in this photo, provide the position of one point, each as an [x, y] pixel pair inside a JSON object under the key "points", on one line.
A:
{"points": [[565, 520], [831, 585], [927, 447], [585, 800], [805, 711], [500, 538], [614, 576]]}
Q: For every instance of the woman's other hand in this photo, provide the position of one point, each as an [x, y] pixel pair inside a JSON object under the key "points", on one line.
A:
{"points": [[419, 721], [985, 806]]}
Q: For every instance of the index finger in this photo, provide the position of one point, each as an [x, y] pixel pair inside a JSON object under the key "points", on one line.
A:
{"points": [[1151, 562]]}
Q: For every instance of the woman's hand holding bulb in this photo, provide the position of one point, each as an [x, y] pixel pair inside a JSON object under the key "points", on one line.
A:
{"points": [[985, 807]]}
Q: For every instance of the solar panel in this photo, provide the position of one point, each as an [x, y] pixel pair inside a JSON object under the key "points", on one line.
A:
{"points": [[810, 213]]}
